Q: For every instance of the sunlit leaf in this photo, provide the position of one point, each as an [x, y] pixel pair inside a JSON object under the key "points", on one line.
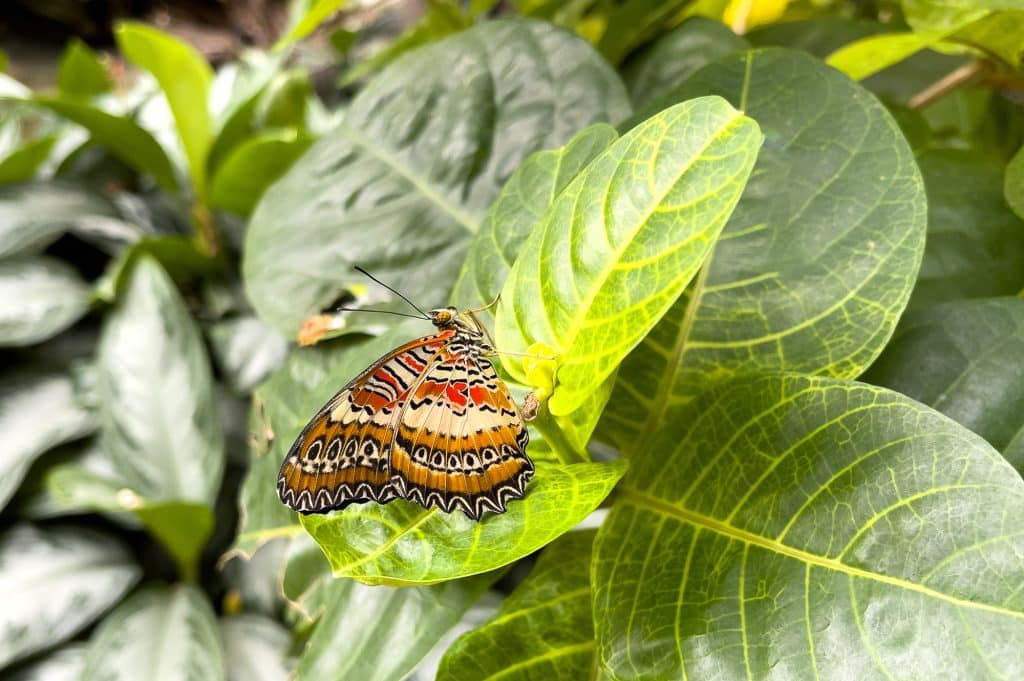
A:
{"points": [[185, 78], [253, 166], [172, 627], [793, 527], [544, 629], [402, 544], [965, 359], [620, 243], [316, 13], [81, 73], [55, 582], [818, 259], [868, 56], [405, 180], [39, 298], [21, 164], [38, 410]]}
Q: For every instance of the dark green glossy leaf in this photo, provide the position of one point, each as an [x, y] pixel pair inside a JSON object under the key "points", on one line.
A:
{"points": [[675, 56], [380, 633], [818, 259], [620, 243], [39, 298], [400, 186], [21, 164], [253, 166], [34, 215], [159, 634], [185, 78], [792, 527], [81, 72], [544, 629], [38, 411], [633, 22], [255, 648], [967, 217], [965, 359], [55, 582], [403, 544]]}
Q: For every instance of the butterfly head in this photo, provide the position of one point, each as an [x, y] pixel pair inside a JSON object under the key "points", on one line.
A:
{"points": [[444, 317]]}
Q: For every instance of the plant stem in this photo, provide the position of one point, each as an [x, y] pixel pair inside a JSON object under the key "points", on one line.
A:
{"points": [[944, 85]]}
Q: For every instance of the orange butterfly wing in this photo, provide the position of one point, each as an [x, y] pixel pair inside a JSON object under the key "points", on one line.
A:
{"points": [[343, 455], [460, 441]]}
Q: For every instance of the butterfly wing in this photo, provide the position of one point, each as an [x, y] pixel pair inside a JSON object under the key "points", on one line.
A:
{"points": [[460, 442], [342, 456]]}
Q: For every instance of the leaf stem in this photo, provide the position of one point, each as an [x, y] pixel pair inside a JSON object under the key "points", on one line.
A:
{"points": [[206, 229]]}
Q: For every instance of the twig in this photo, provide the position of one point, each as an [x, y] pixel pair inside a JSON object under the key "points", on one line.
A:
{"points": [[944, 85]]}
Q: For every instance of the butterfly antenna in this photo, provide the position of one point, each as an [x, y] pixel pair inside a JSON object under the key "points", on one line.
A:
{"points": [[414, 305], [362, 309]]}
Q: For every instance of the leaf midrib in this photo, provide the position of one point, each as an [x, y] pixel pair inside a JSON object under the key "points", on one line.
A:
{"points": [[385, 156], [601, 278], [638, 498]]}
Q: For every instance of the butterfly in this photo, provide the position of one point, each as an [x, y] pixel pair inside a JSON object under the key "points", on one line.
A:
{"points": [[430, 422]]}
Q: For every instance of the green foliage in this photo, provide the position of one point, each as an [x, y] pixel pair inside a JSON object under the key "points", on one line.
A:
{"points": [[696, 240]]}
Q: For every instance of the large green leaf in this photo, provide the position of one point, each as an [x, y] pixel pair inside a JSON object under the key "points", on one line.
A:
{"points": [[965, 359], [122, 136], [39, 298], [185, 78], [64, 664], [38, 410], [159, 634], [34, 215], [22, 163], [975, 244], [401, 543], [56, 581], [255, 648], [253, 166], [544, 629], [281, 408], [785, 526], [520, 207], [81, 72], [380, 633], [675, 56], [400, 186], [159, 415], [818, 259], [620, 243]]}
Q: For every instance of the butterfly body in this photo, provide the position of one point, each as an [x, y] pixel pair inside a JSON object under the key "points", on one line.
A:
{"points": [[429, 422]]}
